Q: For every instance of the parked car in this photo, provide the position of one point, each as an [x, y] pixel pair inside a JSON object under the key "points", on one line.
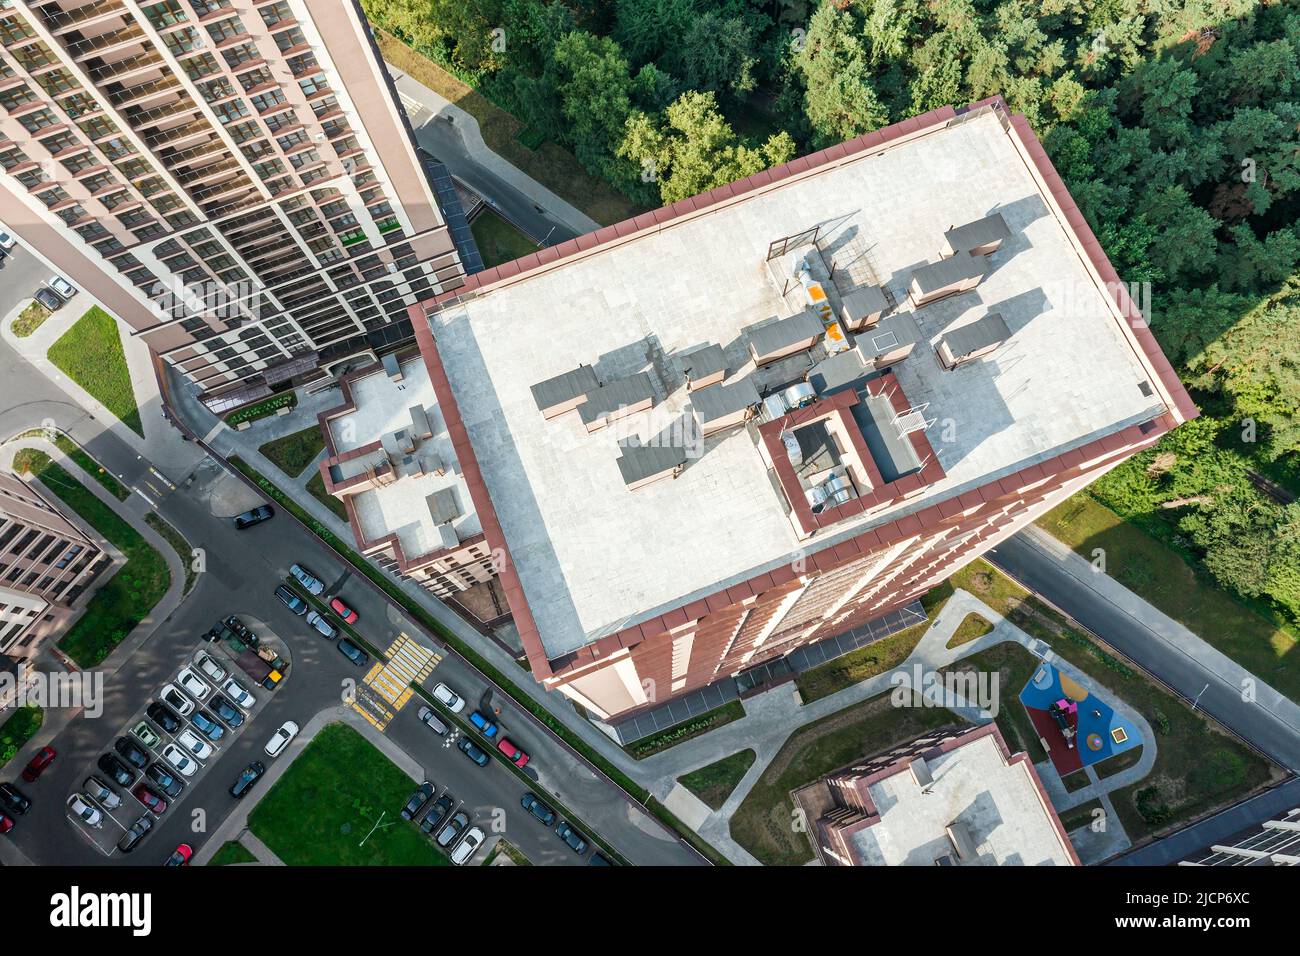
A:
{"points": [[543, 812], [139, 830], [150, 799], [253, 516], [288, 730], [180, 856], [470, 842], [192, 684], [486, 727], [353, 653], [117, 771], [290, 600], [184, 764], [418, 800], [6, 823], [62, 286], [324, 627], [177, 701], [166, 781], [207, 725], [208, 664], [230, 715], [448, 698], [13, 799], [81, 808], [575, 840], [430, 720], [241, 630], [238, 695], [36, 766], [163, 716], [188, 741], [600, 859], [513, 753], [102, 793], [473, 751], [132, 752], [437, 813], [47, 298], [448, 834], [250, 775], [310, 583], [147, 735], [6, 240], [342, 610]]}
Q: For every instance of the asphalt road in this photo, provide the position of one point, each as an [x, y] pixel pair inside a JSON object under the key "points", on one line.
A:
{"points": [[21, 274], [1042, 573]]}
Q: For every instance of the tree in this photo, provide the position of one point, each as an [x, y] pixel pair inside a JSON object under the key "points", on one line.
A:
{"points": [[839, 100], [591, 77], [716, 54]]}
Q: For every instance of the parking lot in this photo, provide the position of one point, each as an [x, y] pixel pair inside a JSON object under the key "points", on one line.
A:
{"points": [[179, 731]]}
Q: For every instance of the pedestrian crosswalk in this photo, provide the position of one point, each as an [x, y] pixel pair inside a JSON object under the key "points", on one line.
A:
{"points": [[387, 686]]}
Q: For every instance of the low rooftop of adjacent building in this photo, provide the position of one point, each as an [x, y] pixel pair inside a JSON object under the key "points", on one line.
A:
{"points": [[758, 281]]}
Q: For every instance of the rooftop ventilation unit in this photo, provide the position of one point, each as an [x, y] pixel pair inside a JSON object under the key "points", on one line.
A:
{"points": [[861, 308], [972, 341], [392, 367], [982, 237], [443, 505], [704, 367], [774, 407], [641, 465], [798, 333], [565, 392], [617, 399], [420, 427], [722, 406], [799, 395], [960, 272]]}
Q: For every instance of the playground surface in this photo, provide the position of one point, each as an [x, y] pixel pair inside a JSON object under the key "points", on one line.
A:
{"points": [[1079, 728]]}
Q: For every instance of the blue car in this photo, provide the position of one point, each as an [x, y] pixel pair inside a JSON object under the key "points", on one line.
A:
{"points": [[485, 726]]}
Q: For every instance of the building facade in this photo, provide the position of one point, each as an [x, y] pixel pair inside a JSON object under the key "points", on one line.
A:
{"points": [[232, 178], [46, 564]]}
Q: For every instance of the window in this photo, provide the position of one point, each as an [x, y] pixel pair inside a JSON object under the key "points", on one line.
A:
{"points": [[38, 120]]}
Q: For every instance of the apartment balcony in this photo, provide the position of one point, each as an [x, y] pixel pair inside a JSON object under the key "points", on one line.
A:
{"points": [[144, 91], [132, 66], [83, 50], [12, 82], [178, 134], [142, 119], [233, 184], [83, 16], [210, 173]]}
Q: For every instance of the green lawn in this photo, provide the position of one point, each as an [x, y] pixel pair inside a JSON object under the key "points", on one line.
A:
{"points": [[498, 240], [125, 599], [765, 823], [18, 728], [83, 461], [316, 488], [262, 409], [90, 353], [179, 544], [714, 783], [711, 720], [1014, 666], [319, 812], [504, 848], [30, 319], [1158, 573], [971, 628], [232, 852], [293, 453]]}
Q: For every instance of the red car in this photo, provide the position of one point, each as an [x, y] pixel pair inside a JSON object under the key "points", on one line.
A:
{"points": [[6, 824], [180, 856], [516, 756], [150, 799], [44, 757], [343, 611]]}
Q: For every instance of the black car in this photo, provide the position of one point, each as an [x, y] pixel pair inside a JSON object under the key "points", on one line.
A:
{"points": [[473, 751], [163, 716], [49, 299], [228, 712], [575, 840], [118, 771], [437, 813], [135, 755], [165, 780], [255, 516], [452, 831], [250, 775], [290, 600], [422, 795], [13, 799], [241, 630], [207, 725], [139, 830], [538, 809], [353, 653]]}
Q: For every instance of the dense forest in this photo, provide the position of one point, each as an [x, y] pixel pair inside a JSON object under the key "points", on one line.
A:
{"points": [[1175, 123]]}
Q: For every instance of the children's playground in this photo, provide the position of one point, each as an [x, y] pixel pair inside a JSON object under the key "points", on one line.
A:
{"points": [[1078, 728]]}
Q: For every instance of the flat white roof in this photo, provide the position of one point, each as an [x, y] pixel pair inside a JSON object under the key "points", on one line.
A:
{"points": [[996, 802], [399, 508], [594, 556]]}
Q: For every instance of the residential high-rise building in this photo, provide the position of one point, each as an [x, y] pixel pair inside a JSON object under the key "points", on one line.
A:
{"points": [[723, 431], [232, 178]]}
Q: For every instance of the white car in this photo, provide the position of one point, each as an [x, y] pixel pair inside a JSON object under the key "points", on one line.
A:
{"points": [[178, 759], [6, 240], [190, 741], [309, 581], [445, 696], [192, 684], [80, 808], [173, 698], [102, 793], [242, 698], [211, 668], [62, 286], [326, 629], [470, 842], [288, 730]]}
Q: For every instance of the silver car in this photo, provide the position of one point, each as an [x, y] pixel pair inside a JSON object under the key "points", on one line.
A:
{"points": [[102, 793], [324, 627], [81, 808], [310, 583]]}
